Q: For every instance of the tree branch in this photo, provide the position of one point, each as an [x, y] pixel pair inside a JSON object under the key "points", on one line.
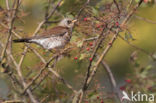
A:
{"points": [[112, 80], [117, 6]]}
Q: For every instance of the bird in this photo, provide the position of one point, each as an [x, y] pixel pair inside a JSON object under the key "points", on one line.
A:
{"points": [[53, 38]]}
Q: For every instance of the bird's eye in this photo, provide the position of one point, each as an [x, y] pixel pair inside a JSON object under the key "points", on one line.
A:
{"points": [[69, 21]]}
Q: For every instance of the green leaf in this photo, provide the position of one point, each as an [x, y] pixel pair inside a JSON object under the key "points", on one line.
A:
{"points": [[137, 64], [128, 36], [73, 38], [137, 1], [148, 67], [146, 71], [92, 94], [82, 56], [93, 97], [95, 12]]}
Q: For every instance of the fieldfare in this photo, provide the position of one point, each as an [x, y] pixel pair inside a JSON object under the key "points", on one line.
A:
{"points": [[54, 38]]}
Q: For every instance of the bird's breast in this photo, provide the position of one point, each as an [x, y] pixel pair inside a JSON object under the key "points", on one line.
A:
{"points": [[50, 43]]}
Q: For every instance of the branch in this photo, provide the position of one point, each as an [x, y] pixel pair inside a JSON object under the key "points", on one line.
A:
{"points": [[10, 73], [92, 38], [62, 79], [11, 20], [41, 71], [129, 43], [53, 11], [145, 19], [13, 101], [112, 80], [131, 13], [83, 7], [99, 42], [117, 6], [19, 72], [41, 80], [140, 49], [7, 5]]}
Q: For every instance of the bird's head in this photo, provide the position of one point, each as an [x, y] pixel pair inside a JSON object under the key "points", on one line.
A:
{"points": [[67, 22]]}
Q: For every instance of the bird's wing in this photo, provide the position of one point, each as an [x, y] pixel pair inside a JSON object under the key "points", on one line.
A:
{"points": [[56, 31]]}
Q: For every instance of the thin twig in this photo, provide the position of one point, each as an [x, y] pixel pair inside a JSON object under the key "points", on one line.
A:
{"points": [[140, 49], [13, 101], [112, 80], [19, 72], [129, 5], [53, 11], [10, 74], [41, 80], [11, 22], [38, 75], [117, 6], [7, 5], [99, 42], [129, 43], [131, 13], [83, 7], [92, 38], [145, 19], [62, 79]]}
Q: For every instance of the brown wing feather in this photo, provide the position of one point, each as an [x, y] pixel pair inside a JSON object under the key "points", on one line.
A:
{"points": [[55, 31]]}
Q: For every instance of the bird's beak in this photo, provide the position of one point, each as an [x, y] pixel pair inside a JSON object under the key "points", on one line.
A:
{"points": [[74, 21]]}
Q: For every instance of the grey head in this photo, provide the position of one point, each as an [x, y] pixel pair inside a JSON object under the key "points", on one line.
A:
{"points": [[67, 22]]}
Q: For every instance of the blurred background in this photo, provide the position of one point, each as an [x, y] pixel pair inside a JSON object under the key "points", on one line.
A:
{"points": [[132, 69]]}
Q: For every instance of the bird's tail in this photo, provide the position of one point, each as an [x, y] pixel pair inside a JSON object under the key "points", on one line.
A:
{"points": [[22, 40]]}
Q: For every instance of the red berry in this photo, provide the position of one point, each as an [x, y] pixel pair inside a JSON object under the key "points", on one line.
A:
{"points": [[117, 23], [128, 80], [85, 19], [98, 25], [122, 88], [75, 58], [91, 44], [110, 43], [101, 101], [88, 49], [90, 59], [145, 1], [98, 97], [149, 88], [101, 29], [86, 102], [14, 28]]}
